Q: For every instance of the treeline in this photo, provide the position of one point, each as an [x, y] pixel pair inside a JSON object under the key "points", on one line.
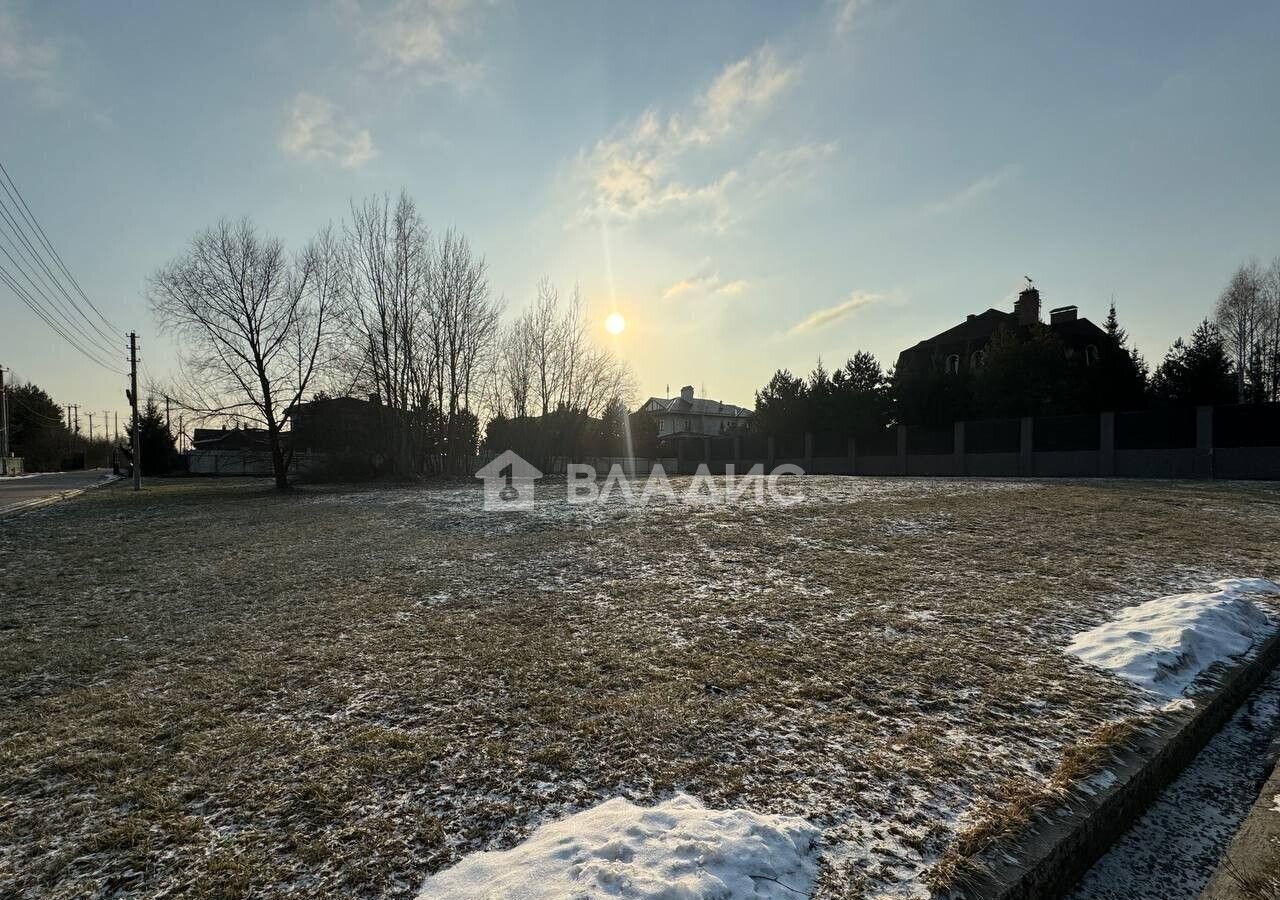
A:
{"points": [[47, 442], [573, 434], [380, 305], [1029, 372]]}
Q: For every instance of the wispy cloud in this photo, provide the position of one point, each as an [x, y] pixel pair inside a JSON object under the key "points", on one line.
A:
{"points": [[823, 317], [425, 42], [846, 14], [314, 132], [635, 172], [28, 58], [705, 283], [971, 193]]}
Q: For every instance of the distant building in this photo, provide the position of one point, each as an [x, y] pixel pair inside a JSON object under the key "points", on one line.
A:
{"points": [[694, 416], [346, 426], [206, 440], [964, 347]]}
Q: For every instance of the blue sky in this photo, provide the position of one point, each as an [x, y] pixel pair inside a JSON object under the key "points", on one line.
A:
{"points": [[753, 185]]}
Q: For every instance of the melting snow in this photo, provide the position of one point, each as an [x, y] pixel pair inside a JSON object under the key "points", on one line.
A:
{"points": [[1163, 644], [677, 849]]}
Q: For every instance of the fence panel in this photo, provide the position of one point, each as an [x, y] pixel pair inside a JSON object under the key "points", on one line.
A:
{"points": [[931, 441], [879, 443], [755, 446], [1156, 429], [829, 443], [789, 446], [1247, 425], [993, 436], [1056, 433], [721, 448]]}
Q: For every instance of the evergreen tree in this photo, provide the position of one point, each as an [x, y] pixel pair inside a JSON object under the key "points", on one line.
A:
{"points": [[154, 440], [1196, 373], [781, 405]]}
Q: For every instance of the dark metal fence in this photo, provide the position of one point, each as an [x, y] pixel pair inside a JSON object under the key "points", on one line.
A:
{"points": [[925, 442], [993, 436], [721, 448], [880, 443], [1155, 429], [1251, 425], [1080, 432]]}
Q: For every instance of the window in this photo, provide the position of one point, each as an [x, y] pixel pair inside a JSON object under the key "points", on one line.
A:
{"points": [[977, 358], [1090, 354], [953, 364]]}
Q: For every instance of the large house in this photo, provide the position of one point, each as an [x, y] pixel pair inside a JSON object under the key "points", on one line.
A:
{"points": [[687, 415], [964, 347]]}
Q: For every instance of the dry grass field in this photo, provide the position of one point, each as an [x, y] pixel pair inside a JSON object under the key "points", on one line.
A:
{"points": [[210, 690]]}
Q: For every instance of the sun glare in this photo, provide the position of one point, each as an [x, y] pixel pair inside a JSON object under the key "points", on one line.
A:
{"points": [[615, 324]]}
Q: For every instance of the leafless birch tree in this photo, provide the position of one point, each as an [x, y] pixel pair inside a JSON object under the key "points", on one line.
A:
{"points": [[255, 325]]}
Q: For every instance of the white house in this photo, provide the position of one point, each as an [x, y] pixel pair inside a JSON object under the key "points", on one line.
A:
{"points": [[689, 415]]}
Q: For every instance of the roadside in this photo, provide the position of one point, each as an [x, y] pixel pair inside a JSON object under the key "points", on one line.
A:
{"points": [[1250, 869], [21, 493], [1171, 852]]}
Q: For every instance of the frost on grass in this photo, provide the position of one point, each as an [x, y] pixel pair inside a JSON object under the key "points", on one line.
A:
{"points": [[1164, 644], [339, 692], [678, 848]]}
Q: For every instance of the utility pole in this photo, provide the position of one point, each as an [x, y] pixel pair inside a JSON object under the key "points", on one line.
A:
{"points": [[133, 402], [166, 414], [4, 419], [115, 417], [76, 410], [90, 415], [182, 431]]}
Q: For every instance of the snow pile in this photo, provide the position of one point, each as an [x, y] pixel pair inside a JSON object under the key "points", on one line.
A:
{"points": [[1163, 644], [677, 850]]}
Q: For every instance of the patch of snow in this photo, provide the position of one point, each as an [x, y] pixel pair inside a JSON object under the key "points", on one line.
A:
{"points": [[1163, 644], [1275, 803], [677, 849]]}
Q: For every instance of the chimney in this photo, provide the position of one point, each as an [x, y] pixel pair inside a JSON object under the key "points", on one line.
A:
{"points": [[1062, 314], [686, 393], [970, 317], [1028, 306]]}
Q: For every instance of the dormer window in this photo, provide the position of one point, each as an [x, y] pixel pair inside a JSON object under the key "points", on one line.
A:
{"points": [[953, 364], [977, 358]]}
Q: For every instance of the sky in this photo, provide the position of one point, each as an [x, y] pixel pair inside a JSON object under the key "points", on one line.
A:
{"points": [[753, 186]]}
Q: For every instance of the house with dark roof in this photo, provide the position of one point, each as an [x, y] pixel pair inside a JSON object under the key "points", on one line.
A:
{"points": [[694, 416], [963, 348]]}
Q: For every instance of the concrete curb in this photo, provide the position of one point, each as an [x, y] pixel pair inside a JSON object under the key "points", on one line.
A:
{"points": [[1047, 859], [1253, 856], [16, 509]]}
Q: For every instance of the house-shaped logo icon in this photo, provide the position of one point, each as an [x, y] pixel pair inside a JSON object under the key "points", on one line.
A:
{"points": [[508, 482]]}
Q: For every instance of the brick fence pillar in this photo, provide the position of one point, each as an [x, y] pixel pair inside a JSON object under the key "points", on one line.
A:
{"points": [[1107, 444], [1026, 448], [1204, 441]]}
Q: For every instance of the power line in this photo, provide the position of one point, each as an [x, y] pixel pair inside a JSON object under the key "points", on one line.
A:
{"points": [[55, 306], [62, 265], [21, 293]]}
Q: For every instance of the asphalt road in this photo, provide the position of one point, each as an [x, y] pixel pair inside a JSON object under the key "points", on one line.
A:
{"points": [[17, 493]]}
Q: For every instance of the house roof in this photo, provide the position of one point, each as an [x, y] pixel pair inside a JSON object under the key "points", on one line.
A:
{"points": [[982, 326], [229, 438], [698, 406]]}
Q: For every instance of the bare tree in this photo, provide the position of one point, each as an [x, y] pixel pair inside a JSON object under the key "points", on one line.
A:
{"points": [[389, 270], [546, 360], [255, 324], [1239, 316]]}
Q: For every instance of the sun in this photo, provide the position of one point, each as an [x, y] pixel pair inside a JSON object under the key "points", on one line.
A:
{"points": [[615, 324]]}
